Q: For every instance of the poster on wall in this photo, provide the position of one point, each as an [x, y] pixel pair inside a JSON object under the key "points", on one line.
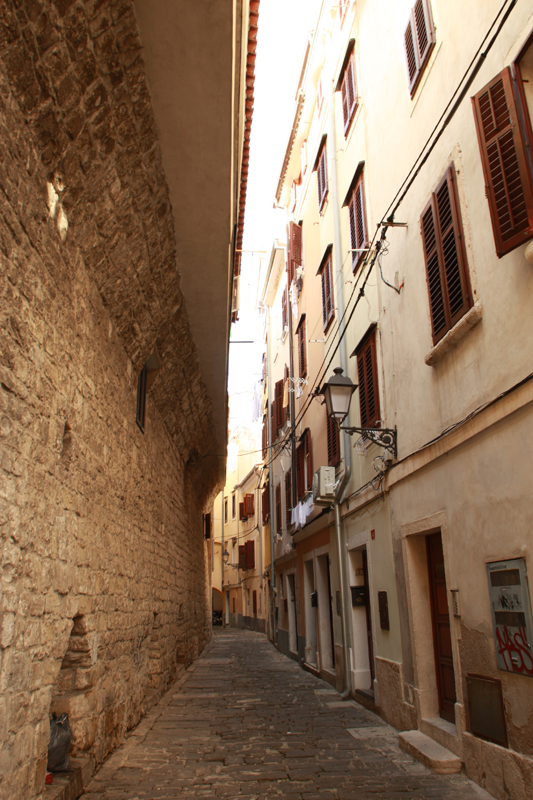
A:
{"points": [[511, 615]]}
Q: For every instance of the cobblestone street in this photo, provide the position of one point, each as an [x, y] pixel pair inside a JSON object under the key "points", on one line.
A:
{"points": [[244, 721]]}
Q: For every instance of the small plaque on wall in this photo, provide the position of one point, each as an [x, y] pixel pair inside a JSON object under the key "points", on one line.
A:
{"points": [[511, 615], [358, 596]]}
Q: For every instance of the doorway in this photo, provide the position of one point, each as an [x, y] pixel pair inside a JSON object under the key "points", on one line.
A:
{"points": [[440, 617], [293, 629], [310, 607], [368, 611]]}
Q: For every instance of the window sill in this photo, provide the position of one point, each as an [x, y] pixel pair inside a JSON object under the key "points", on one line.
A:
{"points": [[459, 330]]}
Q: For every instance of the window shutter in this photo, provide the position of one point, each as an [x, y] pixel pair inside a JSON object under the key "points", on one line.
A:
{"points": [[334, 450], [242, 556], [508, 182], [288, 496], [302, 353], [284, 320], [327, 294], [300, 474], [278, 508], [322, 177], [356, 210], [419, 39], [446, 272], [368, 385], [249, 505], [273, 419], [309, 459], [250, 554], [278, 391], [348, 93], [264, 436], [295, 250], [265, 504]]}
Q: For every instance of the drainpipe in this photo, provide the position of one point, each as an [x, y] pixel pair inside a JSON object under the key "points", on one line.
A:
{"points": [[271, 483], [260, 529], [346, 458]]}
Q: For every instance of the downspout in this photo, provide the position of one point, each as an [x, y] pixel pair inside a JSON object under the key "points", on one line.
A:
{"points": [[270, 482], [260, 529], [344, 439]]}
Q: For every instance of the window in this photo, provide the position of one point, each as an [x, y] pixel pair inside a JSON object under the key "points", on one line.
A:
{"points": [[225, 511], [348, 88], [254, 603], [357, 216], [265, 435], [504, 133], [294, 259], [249, 505], [325, 272], [278, 508], [207, 526], [233, 506], [334, 449], [445, 257], [242, 556], [284, 315], [278, 393], [367, 374], [242, 512], [302, 351], [250, 554], [419, 41], [304, 465], [141, 398], [288, 496], [322, 175], [265, 503]]}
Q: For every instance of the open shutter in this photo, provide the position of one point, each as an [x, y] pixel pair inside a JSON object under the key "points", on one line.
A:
{"points": [[249, 505], [273, 419], [356, 210], [508, 182], [278, 391], [278, 508], [300, 471], [334, 450], [419, 39], [368, 385], [308, 459], [302, 353], [348, 93], [288, 496], [295, 250], [242, 512], [284, 316], [242, 556], [322, 177], [327, 293], [265, 504]]}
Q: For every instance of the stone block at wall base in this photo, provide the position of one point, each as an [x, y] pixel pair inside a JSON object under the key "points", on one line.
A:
{"points": [[502, 772], [391, 704]]}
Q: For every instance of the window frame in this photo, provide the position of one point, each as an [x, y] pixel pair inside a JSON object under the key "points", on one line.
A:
{"points": [[358, 221], [368, 383], [348, 71], [325, 271], [440, 278], [421, 58], [233, 505], [302, 347], [226, 511], [322, 174]]}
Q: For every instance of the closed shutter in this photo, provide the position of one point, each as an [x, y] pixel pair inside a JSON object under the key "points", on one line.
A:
{"points": [[322, 177], [358, 236], [295, 250], [242, 512], [328, 311], [288, 496], [254, 603], [278, 392], [368, 383], [249, 505], [265, 504], [508, 181], [419, 39], [348, 93], [334, 450], [242, 556], [278, 508], [444, 253], [302, 351], [250, 554]]}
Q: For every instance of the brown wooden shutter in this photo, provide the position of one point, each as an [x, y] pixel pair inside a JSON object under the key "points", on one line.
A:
{"points": [[278, 508], [265, 504], [445, 256], [368, 383], [249, 505], [254, 602], [279, 404], [242, 512], [285, 381], [295, 250], [242, 556], [273, 419], [302, 349], [357, 215], [508, 180], [328, 311], [419, 39], [322, 176], [309, 459], [288, 496], [284, 317], [250, 554], [334, 450], [348, 93], [300, 471]]}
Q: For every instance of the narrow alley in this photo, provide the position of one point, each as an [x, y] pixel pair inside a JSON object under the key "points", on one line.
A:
{"points": [[245, 721]]}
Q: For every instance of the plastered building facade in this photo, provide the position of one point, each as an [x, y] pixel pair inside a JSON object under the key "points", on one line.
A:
{"points": [[408, 176], [113, 421]]}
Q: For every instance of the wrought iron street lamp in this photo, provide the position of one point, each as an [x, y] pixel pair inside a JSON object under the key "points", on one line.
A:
{"points": [[225, 556], [338, 393]]}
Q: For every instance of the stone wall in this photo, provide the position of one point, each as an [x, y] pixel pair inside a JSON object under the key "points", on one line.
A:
{"points": [[104, 586]]}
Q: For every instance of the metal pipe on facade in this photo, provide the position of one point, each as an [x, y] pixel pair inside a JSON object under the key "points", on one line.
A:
{"points": [[270, 481], [344, 439]]}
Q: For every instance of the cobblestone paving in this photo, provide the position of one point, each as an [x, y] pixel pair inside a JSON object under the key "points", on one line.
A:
{"points": [[247, 722]]}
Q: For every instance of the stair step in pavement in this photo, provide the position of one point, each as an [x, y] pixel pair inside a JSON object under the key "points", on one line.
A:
{"points": [[429, 752]]}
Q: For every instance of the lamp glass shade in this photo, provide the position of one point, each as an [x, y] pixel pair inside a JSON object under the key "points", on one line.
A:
{"points": [[338, 394]]}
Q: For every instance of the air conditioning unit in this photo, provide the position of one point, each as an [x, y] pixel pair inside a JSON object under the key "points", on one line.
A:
{"points": [[324, 486]]}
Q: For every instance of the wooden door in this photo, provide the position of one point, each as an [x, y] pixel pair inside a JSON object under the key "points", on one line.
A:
{"points": [[442, 640], [368, 619]]}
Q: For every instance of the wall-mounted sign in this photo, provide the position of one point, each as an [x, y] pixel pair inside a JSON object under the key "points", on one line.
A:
{"points": [[511, 615], [358, 596]]}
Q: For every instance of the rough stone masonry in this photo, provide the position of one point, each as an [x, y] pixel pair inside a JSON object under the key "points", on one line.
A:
{"points": [[103, 589]]}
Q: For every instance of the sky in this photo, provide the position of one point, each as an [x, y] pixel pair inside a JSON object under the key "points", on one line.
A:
{"points": [[284, 27]]}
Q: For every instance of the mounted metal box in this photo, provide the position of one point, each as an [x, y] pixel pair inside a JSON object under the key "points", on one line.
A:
{"points": [[324, 486]]}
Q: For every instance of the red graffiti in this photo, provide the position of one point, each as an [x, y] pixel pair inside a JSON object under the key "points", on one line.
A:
{"points": [[514, 650]]}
